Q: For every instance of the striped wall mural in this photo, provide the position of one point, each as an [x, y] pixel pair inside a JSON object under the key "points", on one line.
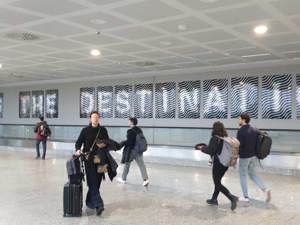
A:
{"points": [[1, 105], [276, 99], [165, 100], [265, 97], [244, 96], [189, 99], [143, 101], [298, 96], [215, 97]]}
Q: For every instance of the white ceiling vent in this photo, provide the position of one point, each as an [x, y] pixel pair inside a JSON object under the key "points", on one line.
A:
{"points": [[22, 36]]}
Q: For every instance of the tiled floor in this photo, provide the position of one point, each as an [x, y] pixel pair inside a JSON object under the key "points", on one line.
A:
{"points": [[31, 193]]}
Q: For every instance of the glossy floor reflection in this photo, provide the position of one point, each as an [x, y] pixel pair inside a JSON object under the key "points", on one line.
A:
{"points": [[31, 193]]}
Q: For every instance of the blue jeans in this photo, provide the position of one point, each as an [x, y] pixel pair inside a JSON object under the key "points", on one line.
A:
{"points": [[44, 143], [140, 161], [247, 167]]}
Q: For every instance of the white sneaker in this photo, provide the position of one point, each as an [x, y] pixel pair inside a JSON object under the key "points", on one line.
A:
{"points": [[243, 199], [210, 162], [121, 181], [146, 183], [268, 195]]}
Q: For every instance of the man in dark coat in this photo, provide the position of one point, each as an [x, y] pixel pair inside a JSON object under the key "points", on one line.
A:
{"points": [[42, 131]]}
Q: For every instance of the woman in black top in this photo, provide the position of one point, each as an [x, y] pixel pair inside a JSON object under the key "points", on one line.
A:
{"points": [[214, 148], [87, 138]]}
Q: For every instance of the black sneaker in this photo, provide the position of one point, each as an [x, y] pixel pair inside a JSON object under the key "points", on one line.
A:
{"points": [[234, 200], [37, 157], [99, 211], [212, 201]]}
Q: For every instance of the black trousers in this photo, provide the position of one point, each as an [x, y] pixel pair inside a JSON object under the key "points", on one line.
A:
{"points": [[218, 171], [94, 179]]}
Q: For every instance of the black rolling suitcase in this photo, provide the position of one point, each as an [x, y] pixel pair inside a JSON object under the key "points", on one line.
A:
{"points": [[72, 200]]}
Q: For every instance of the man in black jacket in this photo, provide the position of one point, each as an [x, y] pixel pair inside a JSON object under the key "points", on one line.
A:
{"points": [[247, 135], [130, 154], [87, 138]]}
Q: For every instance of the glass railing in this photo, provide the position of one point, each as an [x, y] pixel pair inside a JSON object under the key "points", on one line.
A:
{"points": [[283, 140]]}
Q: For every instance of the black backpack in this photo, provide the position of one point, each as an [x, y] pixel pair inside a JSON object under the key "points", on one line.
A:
{"points": [[141, 144], [263, 145]]}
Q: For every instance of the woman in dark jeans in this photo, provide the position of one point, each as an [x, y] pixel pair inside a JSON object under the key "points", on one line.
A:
{"points": [[214, 149]]}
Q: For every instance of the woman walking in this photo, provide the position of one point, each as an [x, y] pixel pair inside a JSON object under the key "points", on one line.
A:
{"points": [[218, 171]]}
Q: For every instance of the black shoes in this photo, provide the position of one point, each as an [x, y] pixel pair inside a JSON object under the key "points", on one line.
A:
{"points": [[234, 200], [99, 211], [212, 201]]}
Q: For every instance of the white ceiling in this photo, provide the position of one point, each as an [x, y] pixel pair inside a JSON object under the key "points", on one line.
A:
{"points": [[218, 33]]}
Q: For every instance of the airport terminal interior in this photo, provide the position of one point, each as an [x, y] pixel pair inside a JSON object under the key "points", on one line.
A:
{"points": [[177, 66]]}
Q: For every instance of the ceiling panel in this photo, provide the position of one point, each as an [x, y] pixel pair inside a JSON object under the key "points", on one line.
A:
{"points": [[182, 25], [182, 33], [97, 40], [262, 58], [287, 47], [7, 43], [274, 27], [239, 15], [277, 39], [56, 28], [166, 42], [153, 54], [98, 20], [135, 33], [122, 58], [192, 49], [208, 4], [128, 48], [175, 59], [210, 36], [288, 7], [31, 48], [233, 44], [225, 61], [61, 44], [53, 7], [292, 55], [247, 51], [13, 17], [209, 56], [155, 9], [65, 55]]}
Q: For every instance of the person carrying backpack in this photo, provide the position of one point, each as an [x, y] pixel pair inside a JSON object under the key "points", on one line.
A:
{"points": [[135, 145], [42, 131], [248, 137], [217, 148]]}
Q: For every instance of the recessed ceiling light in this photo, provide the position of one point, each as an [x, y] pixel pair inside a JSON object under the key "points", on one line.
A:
{"points": [[0, 66], [182, 27], [261, 29], [95, 52]]}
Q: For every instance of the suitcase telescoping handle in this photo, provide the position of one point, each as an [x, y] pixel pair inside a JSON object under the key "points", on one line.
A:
{"points": [[82, 158]]}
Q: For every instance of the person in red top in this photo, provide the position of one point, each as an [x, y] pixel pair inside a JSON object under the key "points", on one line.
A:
{"points": [[42, 131]]}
